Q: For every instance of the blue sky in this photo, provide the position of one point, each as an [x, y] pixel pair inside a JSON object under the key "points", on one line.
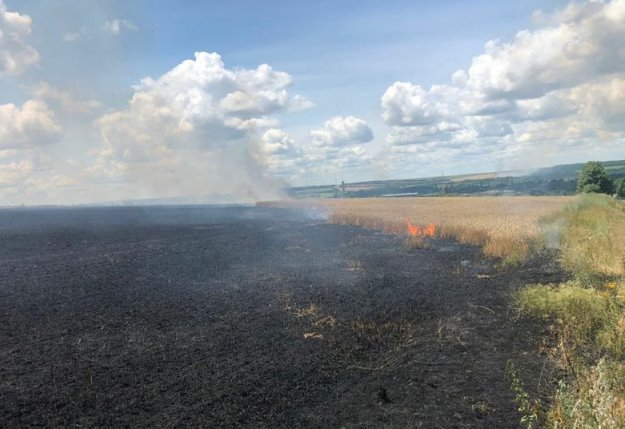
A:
{"points": [[351, 48], [356, 90]]}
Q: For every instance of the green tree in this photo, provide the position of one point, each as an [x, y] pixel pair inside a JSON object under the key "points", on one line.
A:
{"points": [[620, 187], [594, 178]]}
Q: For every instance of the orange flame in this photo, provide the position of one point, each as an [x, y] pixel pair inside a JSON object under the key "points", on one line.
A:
{"points": [[418, 231]]}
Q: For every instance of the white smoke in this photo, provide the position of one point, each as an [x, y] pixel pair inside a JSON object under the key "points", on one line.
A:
{"points": [[196, 130]]}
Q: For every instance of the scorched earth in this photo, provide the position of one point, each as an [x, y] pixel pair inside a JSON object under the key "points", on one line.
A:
{"points": [[251, 317]]}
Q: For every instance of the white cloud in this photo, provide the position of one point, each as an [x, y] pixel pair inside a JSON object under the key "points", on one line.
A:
{"points": [[602, 102], [342, 131], [16, 55], [277, 142], [199, 104], [116, 26], [564, 80], [404, 103], [23, 172], [298, 103], [14, 172], [279, 153], [198, 118], [32, 125], [65, 99], [332, 148], [586, 42]]}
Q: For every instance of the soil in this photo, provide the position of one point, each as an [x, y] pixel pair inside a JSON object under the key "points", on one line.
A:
{"points": [[252, 317]]}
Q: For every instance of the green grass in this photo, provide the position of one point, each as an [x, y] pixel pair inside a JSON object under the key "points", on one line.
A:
{"points": [[586, 314], [590, 317]]}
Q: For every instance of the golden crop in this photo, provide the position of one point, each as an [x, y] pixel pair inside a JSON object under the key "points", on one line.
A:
{"points": [[506, 227]]}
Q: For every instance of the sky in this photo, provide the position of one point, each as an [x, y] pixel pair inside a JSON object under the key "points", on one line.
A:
{"points": [[111, 100]]}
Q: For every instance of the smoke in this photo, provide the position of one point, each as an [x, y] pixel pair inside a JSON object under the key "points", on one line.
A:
{"points": [[196, 132]]}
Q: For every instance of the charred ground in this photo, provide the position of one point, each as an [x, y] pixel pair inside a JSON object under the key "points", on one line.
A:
{"points": [[251, 317]]}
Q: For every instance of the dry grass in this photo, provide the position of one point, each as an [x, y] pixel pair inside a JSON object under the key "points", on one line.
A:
{"points": [[594, 237], [506, 227]]}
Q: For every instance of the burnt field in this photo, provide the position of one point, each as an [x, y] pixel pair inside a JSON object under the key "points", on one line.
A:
{"points": [[251, 317]]}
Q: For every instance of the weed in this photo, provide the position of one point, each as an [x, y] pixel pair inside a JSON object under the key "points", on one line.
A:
{"points": [[481, 409], [597, 400], [529, 408], [584, 311], [587, 314], [593, 239]]}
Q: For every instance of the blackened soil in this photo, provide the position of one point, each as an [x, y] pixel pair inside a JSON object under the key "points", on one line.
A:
{"points": [[246, 317]]}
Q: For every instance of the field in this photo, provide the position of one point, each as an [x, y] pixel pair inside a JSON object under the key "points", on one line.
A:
{"points": [[505, 227], [557, 180], [274, 317], [252, 317], [584, 339]]}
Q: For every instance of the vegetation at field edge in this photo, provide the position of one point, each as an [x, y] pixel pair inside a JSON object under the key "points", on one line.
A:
{"points": [[586, 316]]}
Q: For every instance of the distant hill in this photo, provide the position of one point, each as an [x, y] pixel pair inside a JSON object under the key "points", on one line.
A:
{"points": [[571, 171], [556, 180]]}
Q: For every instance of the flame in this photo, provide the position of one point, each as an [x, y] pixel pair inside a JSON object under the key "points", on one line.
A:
{"points": [[421, 231]]}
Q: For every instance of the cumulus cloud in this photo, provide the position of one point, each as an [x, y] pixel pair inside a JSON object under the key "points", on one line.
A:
{"points": [[279, 153], [24, 172], [65, 99], [25, 132], [16, 55], [13, 172], [199, 123], [586, 42], [28, 180], [116, 26], [277, 142], [335, 146], [31, 125], [342, 131], [564, 78], [407, 104]]}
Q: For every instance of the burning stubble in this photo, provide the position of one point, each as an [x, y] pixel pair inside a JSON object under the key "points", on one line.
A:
{"points": [[418, 235]]}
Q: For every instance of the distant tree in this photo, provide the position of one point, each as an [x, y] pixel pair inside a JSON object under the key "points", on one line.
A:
{"points": [[594, 178], [620, 187]]}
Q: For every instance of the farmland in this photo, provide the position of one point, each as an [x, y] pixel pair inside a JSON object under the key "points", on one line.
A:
{"points": [[585, 315], [251, 317], [506, 227], [323, 317], [556, 180]]}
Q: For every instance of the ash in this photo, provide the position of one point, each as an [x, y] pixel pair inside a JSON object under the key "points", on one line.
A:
{"points": [[251, 317]]}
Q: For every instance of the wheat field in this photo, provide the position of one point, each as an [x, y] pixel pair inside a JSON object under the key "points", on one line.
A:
{"points": [[506, 227]]}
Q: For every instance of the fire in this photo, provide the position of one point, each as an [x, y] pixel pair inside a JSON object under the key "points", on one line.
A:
{"points": [[421, 231]]}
